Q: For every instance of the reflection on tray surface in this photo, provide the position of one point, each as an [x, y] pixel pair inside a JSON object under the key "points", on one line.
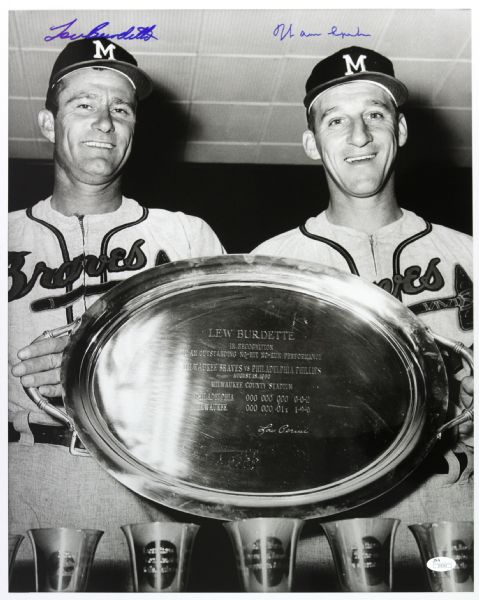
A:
{"points": [[282, 394]]}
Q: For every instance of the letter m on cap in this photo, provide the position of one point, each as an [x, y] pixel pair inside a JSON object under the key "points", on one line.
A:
{"points": [[354, 67], [102, 52]]}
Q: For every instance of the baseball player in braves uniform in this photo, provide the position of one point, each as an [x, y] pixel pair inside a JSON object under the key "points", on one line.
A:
{"points": [[355, 128], [63, 253]]}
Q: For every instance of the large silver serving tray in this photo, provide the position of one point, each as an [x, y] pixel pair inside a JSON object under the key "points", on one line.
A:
{"points": [[241, 386]]}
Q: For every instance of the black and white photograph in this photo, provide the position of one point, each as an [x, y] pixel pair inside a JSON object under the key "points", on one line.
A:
{"points": [[240, 302]]}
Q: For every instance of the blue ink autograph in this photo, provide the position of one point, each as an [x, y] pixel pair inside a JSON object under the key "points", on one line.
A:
{"points": [[282, 32], [132, 33], [334, 31]]}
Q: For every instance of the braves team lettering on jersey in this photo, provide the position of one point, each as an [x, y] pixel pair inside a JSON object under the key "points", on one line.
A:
{"points": [[58, 265], [428, 267]]}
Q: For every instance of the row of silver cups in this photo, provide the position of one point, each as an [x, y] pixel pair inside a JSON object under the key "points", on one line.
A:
{"points": [[265, 550]]}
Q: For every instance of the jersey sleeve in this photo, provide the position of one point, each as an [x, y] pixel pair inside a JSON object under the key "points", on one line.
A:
{"points": [[285, 245], [201, 238], [263, 248]]}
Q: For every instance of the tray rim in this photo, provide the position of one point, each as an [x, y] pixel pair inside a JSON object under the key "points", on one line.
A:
{"points": [[176, 278]]}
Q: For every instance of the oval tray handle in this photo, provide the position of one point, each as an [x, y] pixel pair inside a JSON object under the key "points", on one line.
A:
{"points": [[466, 353], [33, 393]]}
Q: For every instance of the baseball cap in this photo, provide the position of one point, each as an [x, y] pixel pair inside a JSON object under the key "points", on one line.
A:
{"points": [[354, 64], [100, 52]]}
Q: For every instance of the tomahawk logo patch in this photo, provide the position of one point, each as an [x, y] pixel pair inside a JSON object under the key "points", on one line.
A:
{"points": [[461, 301]]}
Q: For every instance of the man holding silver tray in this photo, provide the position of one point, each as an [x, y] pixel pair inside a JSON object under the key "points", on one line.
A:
{"points": [[63, 253], [229, 337], [355, 128]]}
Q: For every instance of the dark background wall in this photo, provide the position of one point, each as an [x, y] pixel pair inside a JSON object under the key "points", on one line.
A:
{"points": [[246, 204]]}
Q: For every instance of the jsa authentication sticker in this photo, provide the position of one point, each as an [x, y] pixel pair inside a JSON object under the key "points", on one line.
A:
{"points": [[441, 563]]}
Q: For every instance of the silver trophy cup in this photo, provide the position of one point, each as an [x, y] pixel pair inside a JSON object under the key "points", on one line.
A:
{"points": [[447, 552], [160, 555], [363, 553], [63, 558], [14, 542], [265, 550]]}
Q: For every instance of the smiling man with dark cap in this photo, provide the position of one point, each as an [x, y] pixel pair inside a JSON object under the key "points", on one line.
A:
{"points": [[64, 252], [355, 127]]}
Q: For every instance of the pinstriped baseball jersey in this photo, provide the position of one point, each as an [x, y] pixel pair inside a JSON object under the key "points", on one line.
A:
{"points": [[428, 267], [59, 265]]}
